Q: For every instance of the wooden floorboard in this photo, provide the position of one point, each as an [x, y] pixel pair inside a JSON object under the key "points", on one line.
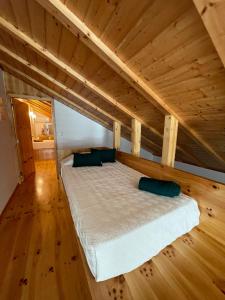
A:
{"points": [[44, 154], [41, 258]]}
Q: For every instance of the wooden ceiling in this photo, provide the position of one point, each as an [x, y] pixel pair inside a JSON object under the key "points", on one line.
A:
{"points": [[41, 107], [120, 59]]}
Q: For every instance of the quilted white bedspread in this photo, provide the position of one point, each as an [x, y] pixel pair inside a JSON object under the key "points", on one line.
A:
{"points": [[119, 226]]}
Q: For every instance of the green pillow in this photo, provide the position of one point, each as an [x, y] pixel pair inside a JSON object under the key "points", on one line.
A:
{"points": [[107, 155], [86, 159], [159, 187]]}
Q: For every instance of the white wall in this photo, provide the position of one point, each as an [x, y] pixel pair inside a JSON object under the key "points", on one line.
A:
{"points": [[75, 130], [210, 174], [9, 171]]}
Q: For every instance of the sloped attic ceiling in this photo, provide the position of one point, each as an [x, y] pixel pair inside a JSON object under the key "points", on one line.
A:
{"points": [[162, 44], [16, 87]]}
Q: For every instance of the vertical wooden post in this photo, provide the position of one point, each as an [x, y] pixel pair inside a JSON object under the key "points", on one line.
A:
{"points": [[116, 134], [136, 137], [169, 141]]}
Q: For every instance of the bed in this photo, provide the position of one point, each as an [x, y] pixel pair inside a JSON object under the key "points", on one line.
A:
{"points": [[119, 226]]}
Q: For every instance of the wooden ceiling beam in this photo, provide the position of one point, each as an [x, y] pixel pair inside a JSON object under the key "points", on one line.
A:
{"points": [[29, 42], [70, 91], [29, 97], [89, 103], [51, 93], [64, 100], [83, 32], [212, 15], [65, 88], [54, 94], [50, 57]]}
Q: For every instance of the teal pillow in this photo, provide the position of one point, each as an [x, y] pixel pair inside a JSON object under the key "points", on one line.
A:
{"points": [[86, 159], [107, 155], [159, 187]]}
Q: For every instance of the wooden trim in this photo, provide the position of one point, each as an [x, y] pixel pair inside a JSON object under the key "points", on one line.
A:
{"points": [[81, 30], [30, 97], [169, 141], [55, 136], [136, 137], [210, 13], [209, 194], [116, 134]]}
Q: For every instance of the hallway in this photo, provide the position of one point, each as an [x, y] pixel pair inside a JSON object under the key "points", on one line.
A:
{"points": [[38, 251]]}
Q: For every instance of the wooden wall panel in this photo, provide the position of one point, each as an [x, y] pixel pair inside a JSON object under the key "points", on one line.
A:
{"points": [[209, 194], [16, 86]]}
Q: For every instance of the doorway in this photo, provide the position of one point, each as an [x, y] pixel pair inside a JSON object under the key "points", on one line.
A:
{"points": [[35, 132]]}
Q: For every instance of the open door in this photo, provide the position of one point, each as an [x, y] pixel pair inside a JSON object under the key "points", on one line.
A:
{"points": [[23, 131]]}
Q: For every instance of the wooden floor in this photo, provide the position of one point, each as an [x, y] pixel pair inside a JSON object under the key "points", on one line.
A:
{"points": [[40, 257], [44, 154]]}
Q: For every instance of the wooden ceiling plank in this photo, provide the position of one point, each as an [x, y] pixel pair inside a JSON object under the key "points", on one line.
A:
{"points": [[70, 91], [62, 86], [71, 72], [38, 110], [79, 28], [54, 94], [79, 109], [41, 104], [37, 106], [213, 19], [50, 57], [65, 101]]}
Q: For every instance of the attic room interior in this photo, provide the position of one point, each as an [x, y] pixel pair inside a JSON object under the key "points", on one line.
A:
{"points": [[112, 149]]}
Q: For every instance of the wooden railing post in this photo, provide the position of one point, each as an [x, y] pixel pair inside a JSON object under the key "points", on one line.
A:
{"points": [[169, 141], [136, 137], [116, 134]]}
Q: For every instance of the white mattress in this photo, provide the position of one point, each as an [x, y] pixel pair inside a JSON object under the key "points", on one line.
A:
{"points": [[119, 226]]}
